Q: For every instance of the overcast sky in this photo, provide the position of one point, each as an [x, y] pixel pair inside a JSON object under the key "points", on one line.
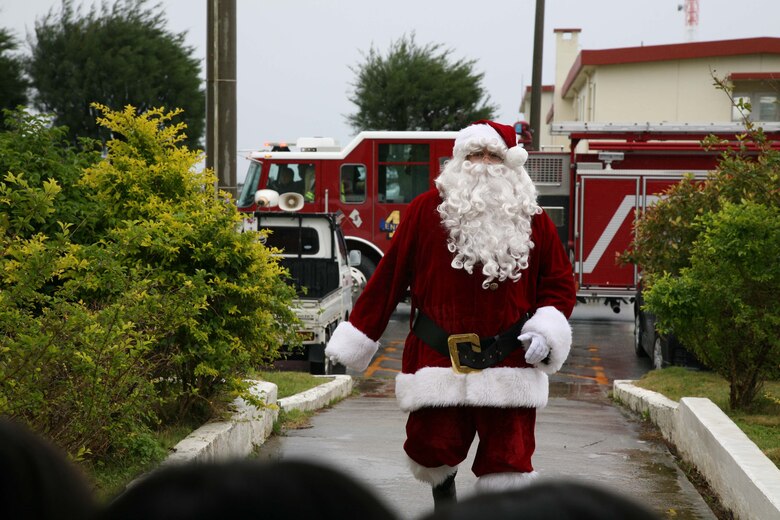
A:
{"points": [[294, 57]]}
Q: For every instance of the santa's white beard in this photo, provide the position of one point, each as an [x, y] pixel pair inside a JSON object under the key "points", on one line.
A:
{"points": [[487, 211]]}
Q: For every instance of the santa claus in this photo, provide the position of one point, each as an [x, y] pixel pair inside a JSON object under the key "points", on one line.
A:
{"points": [[491, 292]]}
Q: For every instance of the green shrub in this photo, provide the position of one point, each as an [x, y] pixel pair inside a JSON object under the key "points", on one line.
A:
{"points": [[126, 294], [726, 305], [705, 272], [169, 224]]}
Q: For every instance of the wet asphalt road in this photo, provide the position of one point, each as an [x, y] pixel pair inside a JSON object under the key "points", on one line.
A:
{"points": [[581, 434]]}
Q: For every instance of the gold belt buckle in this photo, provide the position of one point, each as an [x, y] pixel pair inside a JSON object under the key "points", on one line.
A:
{"points": [[452, 343]]}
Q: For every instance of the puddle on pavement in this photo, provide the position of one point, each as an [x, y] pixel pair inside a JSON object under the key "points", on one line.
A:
{"points": [[578, 391], [376, 387], [663, 481]]}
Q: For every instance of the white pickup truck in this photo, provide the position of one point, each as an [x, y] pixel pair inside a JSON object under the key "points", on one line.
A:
{"points": [[315, 254]]}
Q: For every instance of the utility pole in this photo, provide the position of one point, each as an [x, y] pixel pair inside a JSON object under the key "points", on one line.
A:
{"points": [[221, 143], [536, 77]]}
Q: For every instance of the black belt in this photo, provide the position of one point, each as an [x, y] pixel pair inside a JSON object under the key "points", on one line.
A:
{"points": [[468, 352]]}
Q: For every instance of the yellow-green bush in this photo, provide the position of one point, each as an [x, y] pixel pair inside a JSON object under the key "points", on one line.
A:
{"points": [[126, 295]]}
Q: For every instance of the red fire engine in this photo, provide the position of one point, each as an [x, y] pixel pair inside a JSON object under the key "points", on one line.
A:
{"points": [[371, 181], [592, 196], [624, 170]]}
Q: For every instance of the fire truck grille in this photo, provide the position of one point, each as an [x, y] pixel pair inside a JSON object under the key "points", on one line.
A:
{"points": [[545, 170]]}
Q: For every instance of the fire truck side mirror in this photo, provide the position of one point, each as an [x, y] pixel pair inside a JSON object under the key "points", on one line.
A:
{"points": [[266, 198], [355, 257]]}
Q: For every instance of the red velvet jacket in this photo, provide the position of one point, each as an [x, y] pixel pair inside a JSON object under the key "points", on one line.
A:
{"points": [[418, 258]]}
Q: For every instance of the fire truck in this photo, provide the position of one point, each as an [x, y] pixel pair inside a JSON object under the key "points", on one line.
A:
{"points": [[592, 196], [625, 169]]}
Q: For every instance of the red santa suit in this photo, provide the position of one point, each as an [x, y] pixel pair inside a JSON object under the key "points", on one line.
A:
{"points": [[446, 409]]}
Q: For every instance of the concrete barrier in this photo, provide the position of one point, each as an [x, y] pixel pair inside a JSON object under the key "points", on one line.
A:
{"points": [[319, 396], [250, 426], [745, 480]]}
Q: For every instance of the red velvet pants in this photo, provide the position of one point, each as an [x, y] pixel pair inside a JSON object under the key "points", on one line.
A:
{"points": [[442, 436]]}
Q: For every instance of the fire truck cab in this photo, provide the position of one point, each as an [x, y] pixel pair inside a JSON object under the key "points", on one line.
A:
{"points": [[371, 181]]}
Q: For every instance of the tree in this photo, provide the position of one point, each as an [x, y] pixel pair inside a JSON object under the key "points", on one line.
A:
{"points": [[13, 85], [417, 88], [121, 55]]}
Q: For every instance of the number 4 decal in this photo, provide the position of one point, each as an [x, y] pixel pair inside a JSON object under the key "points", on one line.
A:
{"points": [[390, 223]]}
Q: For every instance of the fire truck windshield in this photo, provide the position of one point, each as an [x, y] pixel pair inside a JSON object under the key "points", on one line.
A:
{"points": [[247, 197]]}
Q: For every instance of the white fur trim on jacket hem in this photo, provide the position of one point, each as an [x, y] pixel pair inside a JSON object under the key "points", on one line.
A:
{"points": [[497, 482], [433, 476], [351, 347], [553, 325], [503, 387]]}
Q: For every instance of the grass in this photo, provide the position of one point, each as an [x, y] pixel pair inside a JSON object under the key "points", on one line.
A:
{"points": [[110, 477], [291, 383], [761, 423]]}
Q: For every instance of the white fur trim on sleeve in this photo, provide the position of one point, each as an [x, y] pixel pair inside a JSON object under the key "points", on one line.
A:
{"points": [[553, 325], [351, 347]]}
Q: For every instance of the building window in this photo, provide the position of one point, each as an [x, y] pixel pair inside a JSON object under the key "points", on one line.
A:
{"points": [[764, 106]]}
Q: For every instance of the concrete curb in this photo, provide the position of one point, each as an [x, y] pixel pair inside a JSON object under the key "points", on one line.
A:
{"points": [[319, 396], [250, 427], [746, 481]]}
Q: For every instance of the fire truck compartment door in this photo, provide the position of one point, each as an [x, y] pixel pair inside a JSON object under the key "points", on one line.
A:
{"points": [[606, 212]]}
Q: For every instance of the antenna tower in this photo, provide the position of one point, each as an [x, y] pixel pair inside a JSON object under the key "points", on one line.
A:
{"points": [[691, 18]]}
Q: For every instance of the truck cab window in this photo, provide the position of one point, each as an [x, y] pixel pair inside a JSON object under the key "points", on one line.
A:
{"points": [[403, 171], [293, 177], [247, 197], [353, 183], [308, 174]]}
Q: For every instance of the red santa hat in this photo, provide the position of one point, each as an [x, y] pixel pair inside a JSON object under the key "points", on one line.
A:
{"points": [[485, 131]]}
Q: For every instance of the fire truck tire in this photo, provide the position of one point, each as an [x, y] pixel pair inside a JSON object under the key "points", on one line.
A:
{"points": [[367, 266], [360, 275], [639, 336]]}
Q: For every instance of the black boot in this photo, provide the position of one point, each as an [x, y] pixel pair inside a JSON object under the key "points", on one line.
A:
{"points": [[445, 493]]}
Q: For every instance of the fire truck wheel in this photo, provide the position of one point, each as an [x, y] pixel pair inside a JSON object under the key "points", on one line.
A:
{"points": [[360, 275], [639, 336], [358, 281], [367, 266]]}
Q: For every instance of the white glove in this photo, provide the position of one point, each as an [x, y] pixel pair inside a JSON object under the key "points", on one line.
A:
{"points": [[536, 348]]}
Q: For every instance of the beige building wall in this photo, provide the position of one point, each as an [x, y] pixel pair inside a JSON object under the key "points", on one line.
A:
{"points": [[567, 47], [677, 91], [545, 138]]}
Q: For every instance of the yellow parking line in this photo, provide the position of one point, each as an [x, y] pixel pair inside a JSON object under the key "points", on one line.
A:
{"points": [[377, 365]]}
